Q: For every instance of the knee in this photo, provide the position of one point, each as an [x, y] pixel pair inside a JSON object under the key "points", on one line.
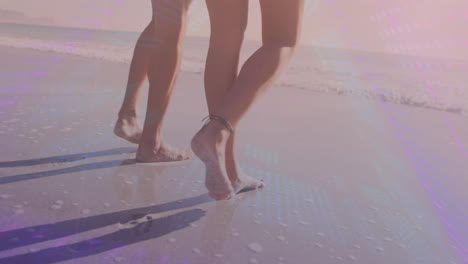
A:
{"points": [[226, 31], [227, 38], [287, 41], [285, 48]]}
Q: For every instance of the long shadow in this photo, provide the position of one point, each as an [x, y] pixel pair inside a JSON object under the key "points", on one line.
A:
{"points": [[152, 229], [82, 167], [66, 158], [37, 234]]}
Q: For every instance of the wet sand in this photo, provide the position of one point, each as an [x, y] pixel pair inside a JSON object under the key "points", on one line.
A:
{"points": [[348, 180]]}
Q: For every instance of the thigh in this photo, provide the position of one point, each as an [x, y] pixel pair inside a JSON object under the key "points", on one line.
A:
{"points": [[169, 20], [170, 11], [228, 16], [281, 21]]}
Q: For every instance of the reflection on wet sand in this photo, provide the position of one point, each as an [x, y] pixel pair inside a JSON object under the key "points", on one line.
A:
{"points": [[217, 229]]}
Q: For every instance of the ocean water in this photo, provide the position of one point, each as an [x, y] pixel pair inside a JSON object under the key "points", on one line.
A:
{"points": [[424, 82]]}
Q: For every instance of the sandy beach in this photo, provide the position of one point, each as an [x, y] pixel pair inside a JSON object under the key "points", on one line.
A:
{"points": [[348, 179]]}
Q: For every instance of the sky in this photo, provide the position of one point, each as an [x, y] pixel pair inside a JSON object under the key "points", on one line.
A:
{"points": [[414, 27]]}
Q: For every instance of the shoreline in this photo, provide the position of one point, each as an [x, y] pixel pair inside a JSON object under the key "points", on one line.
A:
{"points": [[339, 90]]}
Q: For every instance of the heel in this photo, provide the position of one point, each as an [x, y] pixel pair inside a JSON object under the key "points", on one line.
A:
{"points": [[197, 149]]}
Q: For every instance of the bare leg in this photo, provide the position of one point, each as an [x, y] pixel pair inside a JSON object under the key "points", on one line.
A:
{"points": [[227, 34], [280, 38], [127, 126], [169, 19]]}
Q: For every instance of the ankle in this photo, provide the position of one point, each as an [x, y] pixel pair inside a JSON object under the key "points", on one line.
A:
{"points": [[218, 131], [151, 136], [234, 177], [150, 142], [223, 121], [127, 114]]}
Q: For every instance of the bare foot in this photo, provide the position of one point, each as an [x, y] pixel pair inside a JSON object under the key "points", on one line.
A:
{"points": [[163, 153], [240, 181], [209, 146], [246, 183], [128, 128]]}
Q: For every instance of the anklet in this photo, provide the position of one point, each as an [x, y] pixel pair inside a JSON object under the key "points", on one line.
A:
{"points": [[207, 117], [220, 119]]}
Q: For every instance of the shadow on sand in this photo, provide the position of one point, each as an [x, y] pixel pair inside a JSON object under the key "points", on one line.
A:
{"points": [[149, 229], [77, 168], [66, 158]]}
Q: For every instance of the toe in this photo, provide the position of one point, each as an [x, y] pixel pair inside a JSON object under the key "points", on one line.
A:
{"points": [[261, 184], [249, 184], [182, 155], [188, 154], [134, 140]]}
